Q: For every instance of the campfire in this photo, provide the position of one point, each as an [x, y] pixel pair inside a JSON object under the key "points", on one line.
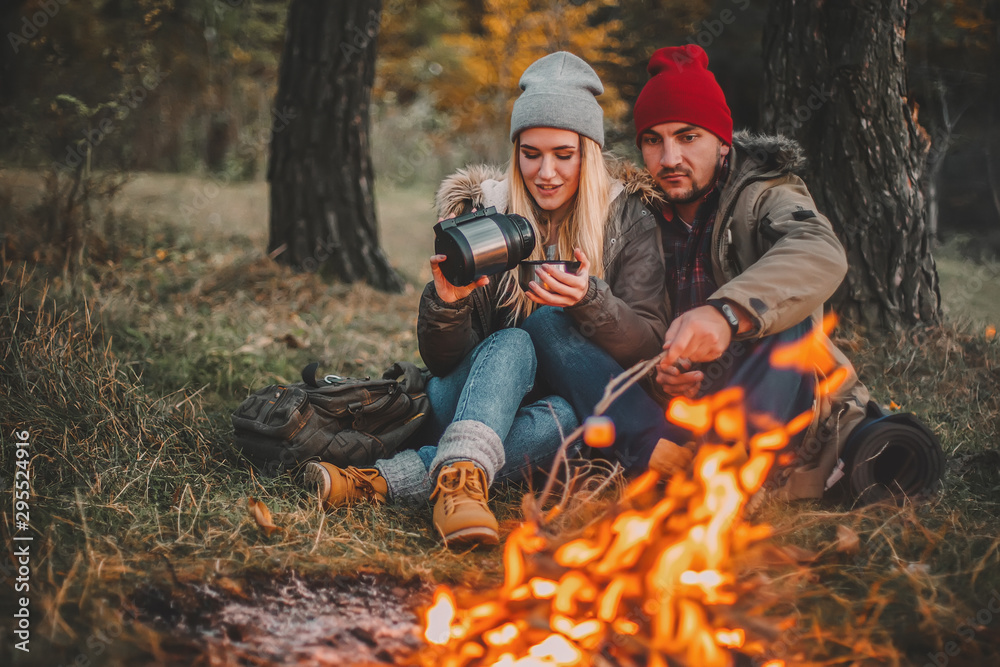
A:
{"points": [[656, 580]]}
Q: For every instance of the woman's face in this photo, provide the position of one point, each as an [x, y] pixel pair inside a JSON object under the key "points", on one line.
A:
{"points": [[549, 159]]}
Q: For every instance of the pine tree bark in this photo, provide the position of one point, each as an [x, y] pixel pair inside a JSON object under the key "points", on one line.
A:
{"points": [[835, 80], [320, 170]]}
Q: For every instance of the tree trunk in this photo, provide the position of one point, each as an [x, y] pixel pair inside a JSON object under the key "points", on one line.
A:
{"points": [[322, 205], [835, 80], [11, 49]]}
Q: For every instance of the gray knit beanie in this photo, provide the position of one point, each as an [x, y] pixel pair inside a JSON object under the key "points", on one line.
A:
{"points": [[559, 91]]}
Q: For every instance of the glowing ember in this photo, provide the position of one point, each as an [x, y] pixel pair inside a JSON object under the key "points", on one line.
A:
{"points": [[657, 577]]}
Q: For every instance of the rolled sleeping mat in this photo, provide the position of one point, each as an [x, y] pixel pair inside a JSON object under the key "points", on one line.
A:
{"points": [[894, 456]]}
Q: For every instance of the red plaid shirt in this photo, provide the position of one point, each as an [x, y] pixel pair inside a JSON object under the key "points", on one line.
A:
{"points": [[688, 253]]}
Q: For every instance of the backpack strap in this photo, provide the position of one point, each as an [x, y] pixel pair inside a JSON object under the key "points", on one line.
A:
{"points": [[309, 377], [309, 374], [411, 378]]}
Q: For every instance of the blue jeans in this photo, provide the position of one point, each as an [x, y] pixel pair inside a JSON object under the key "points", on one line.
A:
{"points": [[489, 386], [574, 367]]}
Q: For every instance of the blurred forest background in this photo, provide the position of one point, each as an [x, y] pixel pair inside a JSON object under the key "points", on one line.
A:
{"points": [[92, 90], [139, 304]]}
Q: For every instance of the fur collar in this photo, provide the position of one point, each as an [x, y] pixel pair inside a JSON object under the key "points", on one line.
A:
{"points": [[772, 152], [635, 180]]}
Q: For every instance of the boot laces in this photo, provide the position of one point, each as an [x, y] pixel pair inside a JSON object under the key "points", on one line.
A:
{"points": [[361, 479], [459, 485]]}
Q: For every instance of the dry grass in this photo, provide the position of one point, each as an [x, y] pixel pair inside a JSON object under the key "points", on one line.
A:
{"points": [[125, 373]]}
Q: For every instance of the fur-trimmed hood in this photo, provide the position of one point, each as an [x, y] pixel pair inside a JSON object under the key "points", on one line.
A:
{"points": [[481, 184], [486, 185], [635, 180], [771, 152]]}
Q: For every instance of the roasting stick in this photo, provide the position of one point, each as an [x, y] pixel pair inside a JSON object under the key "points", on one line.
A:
{"points": [[612, 391]]}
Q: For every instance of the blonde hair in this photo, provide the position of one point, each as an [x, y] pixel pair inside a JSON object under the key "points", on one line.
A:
{"points": [[583, 227]]}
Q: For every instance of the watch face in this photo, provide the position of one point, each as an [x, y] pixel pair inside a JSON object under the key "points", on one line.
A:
{"points": [[730, 315], [727, 312]]}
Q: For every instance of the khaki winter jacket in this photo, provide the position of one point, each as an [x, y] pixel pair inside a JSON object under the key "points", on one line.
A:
{"points": [[623, 313], [776, 256]]}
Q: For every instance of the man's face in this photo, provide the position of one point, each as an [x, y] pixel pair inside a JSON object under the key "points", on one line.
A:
{"points": [[684, 159]]}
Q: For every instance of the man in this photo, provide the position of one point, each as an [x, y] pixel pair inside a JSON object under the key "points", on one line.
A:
{"points": [[749, 265]]}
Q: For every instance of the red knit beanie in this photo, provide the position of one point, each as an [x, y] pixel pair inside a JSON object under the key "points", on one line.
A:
{"points": [[682, 90]]}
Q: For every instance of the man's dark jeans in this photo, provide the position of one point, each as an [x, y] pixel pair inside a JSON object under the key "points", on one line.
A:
{"points": [[578, 370]]}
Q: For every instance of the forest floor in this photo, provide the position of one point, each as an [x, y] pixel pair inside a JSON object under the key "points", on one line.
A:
{"points": [[124, 373]]}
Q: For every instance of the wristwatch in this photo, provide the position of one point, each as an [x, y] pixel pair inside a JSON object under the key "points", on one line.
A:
{"points": [[727, 312]]}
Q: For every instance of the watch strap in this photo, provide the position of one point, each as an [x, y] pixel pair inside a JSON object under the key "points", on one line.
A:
{"points": [[727, 312]]}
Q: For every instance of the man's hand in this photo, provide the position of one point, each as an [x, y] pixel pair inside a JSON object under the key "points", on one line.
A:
{"points": [[677, 380], [701, 334], [450, 293], [560, 288]]}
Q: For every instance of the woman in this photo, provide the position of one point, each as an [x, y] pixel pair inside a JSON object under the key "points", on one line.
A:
{"points": [[486, 419]]}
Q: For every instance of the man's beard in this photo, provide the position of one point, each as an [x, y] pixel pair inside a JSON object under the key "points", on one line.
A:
{"points": [[696, 192]]}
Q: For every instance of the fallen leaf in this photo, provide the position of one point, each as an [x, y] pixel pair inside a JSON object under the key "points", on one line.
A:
{"points": [[262, 516], [230, 586], [893, 405], [991, 332], [848, 541]]}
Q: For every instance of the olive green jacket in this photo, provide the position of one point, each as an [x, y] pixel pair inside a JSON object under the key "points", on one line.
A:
{"points": [[776, 256]]}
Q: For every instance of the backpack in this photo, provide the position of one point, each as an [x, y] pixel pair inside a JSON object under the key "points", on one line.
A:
{"points": [[344, 421]]}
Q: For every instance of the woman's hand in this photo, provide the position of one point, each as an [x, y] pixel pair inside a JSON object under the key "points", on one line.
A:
{"points": [[446, 291], [555, 287]]}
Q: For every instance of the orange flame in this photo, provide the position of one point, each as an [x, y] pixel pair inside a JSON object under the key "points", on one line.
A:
{"points": [[557, 650], [810, 352], [502, 636], [658, 574], [440, 616], [730, 638], [542, 588], [522, 541], [692, 415]]}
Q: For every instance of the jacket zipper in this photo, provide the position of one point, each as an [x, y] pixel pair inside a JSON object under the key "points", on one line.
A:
{"points": [[480, 307], [732, 205]]}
